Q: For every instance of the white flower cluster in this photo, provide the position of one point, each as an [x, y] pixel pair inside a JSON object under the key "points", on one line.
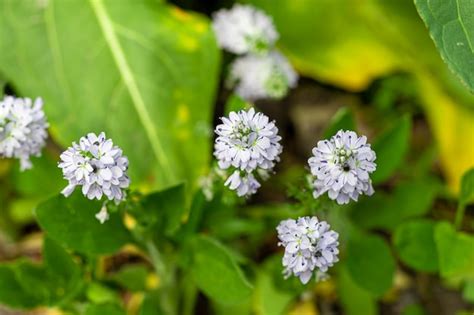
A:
{"points": [[342, 166], [256, 77], [96, 165], [248, 145], [309, 246], [22, 129], [261, 72], [244, 29]]}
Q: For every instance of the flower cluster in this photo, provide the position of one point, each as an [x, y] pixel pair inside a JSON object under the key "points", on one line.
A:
{"points": [[248, 145], [257, 77], [96, 165], [261, 72], [244, 29], [309, 246], [342, 166], [22, 129]]}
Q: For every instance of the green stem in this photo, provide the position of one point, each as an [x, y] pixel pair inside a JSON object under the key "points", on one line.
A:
{"points": [[189, 291], [459, 216]]}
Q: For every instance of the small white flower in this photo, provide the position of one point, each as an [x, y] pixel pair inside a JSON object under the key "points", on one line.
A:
{"points": [[342, 166], [309, 246], [22, 129], [96, 165], [102, 215], [260, 77], [247, 145], [244, 29]]}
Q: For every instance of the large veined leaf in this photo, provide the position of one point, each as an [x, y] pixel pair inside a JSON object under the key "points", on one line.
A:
{"points": [[451, 25], [142, 71]]}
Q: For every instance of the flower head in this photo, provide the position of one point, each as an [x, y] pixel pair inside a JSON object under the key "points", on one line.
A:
{"points": [[96, 165], [259, 77], [247, 143], [244, 29], [22, 129], [309, 246], [342, 166]]}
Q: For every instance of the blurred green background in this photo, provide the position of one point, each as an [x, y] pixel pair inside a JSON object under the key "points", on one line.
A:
{"points": [[149, 74]]}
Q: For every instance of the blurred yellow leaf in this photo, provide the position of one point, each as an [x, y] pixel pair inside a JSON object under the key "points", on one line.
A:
{"points": [[307, 307], [453, 128]]}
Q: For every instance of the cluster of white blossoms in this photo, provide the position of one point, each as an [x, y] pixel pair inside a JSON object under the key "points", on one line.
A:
{"points": [[22, 129], [247, 145], [310, 246], [244, 29], [96, 165], [341, 166], [261, 72], [256, 77]]}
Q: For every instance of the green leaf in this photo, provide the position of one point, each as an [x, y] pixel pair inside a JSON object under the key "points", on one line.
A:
{"points": [[216, 273], [235, 103], [64, 274], [354, 299], [142, 71], [370, 263], [269, 298], [12, 292], [455, 251], [467, 188], [409, 199], [343, 119], [72, 223], [415, 244], [468, 291], [413, 309], [132, 277], [166, 208], [391, 148], [100, 294], [150, 306], [102, 309], [451, 27]]}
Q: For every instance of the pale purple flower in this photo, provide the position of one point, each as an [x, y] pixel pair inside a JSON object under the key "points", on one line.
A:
{"points": [[96, 165], [22, 129], [244, 29], [310, 246], [342, 166]]}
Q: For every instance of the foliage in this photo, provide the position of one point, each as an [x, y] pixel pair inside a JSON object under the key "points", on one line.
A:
{"points": [[147, 73]]}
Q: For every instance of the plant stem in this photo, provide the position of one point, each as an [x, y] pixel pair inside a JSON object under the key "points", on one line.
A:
{"points": [[189, 291]]}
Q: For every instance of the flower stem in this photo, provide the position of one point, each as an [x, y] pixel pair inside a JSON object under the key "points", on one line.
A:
{"points": [[459, 216]]}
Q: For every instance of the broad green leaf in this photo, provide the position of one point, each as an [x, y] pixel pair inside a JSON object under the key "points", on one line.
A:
{"points": [[33, 184], [72, 223], [102, 309], [354, 299], [12, 292], [63, 272], [216, 273], [34, 280], [451, 26], [142, 71], [387, 210], [415, 244], [455, 252], [370, 263], [343, 119], [391, 148], [467, 188], [165, 209]]}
